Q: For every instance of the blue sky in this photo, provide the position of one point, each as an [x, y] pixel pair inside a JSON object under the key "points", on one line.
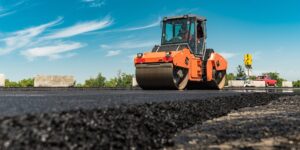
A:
{"points": [[84, 37]]}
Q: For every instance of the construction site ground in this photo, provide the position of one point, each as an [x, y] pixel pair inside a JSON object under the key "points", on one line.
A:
{"points": [[135, 119]]}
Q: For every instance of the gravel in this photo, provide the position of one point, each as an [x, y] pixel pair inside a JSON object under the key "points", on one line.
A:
{"points": [[272, 126], [145, 126]]}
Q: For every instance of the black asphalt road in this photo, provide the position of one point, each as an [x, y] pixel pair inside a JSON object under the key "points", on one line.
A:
{"points": [[150, 125], [42, 100], [22, 101]]}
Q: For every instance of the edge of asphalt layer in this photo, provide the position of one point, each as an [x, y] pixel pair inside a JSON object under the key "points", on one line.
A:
{"points": [[272, 126], [143, 126]]}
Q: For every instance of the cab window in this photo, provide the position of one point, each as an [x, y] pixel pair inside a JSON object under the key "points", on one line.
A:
{"points": [[200, 37]]}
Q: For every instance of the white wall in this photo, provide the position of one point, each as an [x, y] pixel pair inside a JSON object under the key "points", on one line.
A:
{"points": [[236, 83], [288, 84], [2, 80], [54, 81]]}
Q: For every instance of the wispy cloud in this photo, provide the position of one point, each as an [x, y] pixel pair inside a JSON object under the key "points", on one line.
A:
{"points": [[130, 44], [52, 52], [81, 28], [151, 25], [126, 47], [228, 55], [33, 43], [94, 3], [113, 53], [60, 56], [23, 38], [135, 28], [7, 13], [10, 9]]}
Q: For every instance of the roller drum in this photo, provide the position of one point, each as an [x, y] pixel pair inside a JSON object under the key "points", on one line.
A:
{"points": [[160, 76]]}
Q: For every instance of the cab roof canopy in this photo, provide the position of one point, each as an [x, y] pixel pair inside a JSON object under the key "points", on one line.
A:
{"points": [[185, 16]]}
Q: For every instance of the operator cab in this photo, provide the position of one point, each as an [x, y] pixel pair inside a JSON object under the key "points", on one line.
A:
{"points": [[182, 31]]}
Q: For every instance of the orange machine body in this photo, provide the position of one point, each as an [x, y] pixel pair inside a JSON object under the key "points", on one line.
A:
{"points": [[185, 59]]}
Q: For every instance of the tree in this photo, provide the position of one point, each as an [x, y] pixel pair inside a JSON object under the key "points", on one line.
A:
{"points": [[111, 83], [9, 83], [252, 77], [99, 81], [296, 83], [124, 80], [22, 83], [275, 76], [240, 71], [79, 85], [26, 82], [229, 76]]}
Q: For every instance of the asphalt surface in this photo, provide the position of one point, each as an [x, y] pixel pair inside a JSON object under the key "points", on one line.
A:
{"points": [[23, 101], [126, 119], [145, 126], [272, 126]]}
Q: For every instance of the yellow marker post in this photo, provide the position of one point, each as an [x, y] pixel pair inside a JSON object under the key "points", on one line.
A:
{"points": [[248, 60], [248, 63]]}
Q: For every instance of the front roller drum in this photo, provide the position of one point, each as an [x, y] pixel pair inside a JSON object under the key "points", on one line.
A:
{"points": [[162, 76], [218, 82], [219, 79]]}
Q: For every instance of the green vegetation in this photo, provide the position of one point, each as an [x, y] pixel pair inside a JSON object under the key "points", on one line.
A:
{"points": [[23, 83], [296, 83], [122, 80], [252, 77], [26, 82], [230, 76], [99, 81], [240, 71]]}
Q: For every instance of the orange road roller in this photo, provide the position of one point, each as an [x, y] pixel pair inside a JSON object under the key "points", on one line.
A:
{"points": [[182, 61]]}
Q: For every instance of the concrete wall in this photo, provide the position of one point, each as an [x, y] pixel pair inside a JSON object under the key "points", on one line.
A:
{"points": [[287, 84], [2, 80], [236, 83], [258, 83], [242, 83], [54, 81]]}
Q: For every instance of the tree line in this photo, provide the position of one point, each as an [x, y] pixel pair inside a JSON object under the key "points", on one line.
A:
{"points": [[122, 80], [22, 83], [296, 83]]}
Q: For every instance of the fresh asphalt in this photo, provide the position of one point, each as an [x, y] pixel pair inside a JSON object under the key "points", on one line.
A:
{"points": [[44, 100], [144, 126]]}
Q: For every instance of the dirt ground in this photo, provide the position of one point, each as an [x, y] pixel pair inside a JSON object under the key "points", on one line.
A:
{"points": [[272, 126]]}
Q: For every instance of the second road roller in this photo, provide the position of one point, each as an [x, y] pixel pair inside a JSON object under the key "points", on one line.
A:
{"points": [[182, 61]]}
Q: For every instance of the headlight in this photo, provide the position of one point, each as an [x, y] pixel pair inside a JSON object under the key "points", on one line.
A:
{"points": [[168, 54], [139, 55]]}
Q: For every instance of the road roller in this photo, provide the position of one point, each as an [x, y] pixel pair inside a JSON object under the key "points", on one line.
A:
{"points": [[182, 60]]}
